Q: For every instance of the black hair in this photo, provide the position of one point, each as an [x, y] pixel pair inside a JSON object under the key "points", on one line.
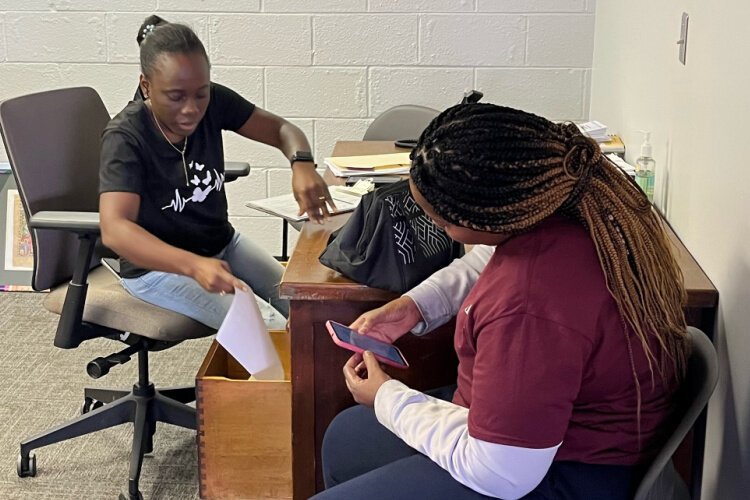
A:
{"points": [[148, 26], [170, 38]]}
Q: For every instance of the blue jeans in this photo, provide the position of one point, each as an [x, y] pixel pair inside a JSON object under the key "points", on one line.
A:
{"points": [[182, 294], [364, 460]]}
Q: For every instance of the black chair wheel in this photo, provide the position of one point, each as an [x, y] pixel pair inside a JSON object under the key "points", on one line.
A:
{"points": [[126, 496], [27, 467], [98, 367], [148, 446], [86, 407], [90, 404]]}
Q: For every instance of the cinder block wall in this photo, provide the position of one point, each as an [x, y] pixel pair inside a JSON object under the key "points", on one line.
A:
{"points": [[328, 65]]}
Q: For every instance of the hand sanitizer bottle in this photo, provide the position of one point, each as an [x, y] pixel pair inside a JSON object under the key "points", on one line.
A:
{"points": [[644, 167]]}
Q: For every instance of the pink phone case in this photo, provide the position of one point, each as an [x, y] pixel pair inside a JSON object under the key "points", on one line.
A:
{"points": [[355, 348]]}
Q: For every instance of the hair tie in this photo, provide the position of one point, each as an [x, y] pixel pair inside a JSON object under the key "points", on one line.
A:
{"points": [[146, 31]]}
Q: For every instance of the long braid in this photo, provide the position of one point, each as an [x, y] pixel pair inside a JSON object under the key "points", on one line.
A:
{"points": [[498, 169]]}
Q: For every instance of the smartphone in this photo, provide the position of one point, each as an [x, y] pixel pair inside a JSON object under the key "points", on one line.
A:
{"points": [[349, 339]]}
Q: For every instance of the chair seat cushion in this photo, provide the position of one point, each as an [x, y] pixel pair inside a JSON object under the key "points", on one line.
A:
{"points": [[109, 304]]}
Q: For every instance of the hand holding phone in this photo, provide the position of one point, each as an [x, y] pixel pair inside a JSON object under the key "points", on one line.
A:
{"points": [[349, 339], [364, 377]]}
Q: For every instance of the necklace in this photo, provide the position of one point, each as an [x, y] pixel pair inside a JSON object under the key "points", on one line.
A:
{"points": [[182, 152]]}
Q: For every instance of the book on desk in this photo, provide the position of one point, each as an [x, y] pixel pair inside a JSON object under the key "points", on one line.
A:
{"points": [[613, 144]]}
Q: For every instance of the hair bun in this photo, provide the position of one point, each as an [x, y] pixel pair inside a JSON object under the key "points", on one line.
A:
{"points": [[148, 26]]}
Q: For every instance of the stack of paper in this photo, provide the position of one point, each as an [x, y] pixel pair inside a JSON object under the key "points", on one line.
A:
{"points": [[613, 144], [286, 206], [370, 165], [595, 130], [361, 187], [624, 166]]}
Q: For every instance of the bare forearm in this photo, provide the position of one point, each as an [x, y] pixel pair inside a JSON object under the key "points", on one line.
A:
{"points": [[292, 139], [131, 241]]}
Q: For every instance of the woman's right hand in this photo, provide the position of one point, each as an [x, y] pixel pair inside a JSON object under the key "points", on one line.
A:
{"points": [[216, 276], [390, 321]]}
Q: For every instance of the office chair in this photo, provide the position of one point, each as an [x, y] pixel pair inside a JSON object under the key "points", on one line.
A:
{"points": [[406, 121], [661, 481], [52, 139]]}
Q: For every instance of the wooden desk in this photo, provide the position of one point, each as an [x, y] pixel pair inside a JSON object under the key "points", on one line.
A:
{"points": [[318, 294]]}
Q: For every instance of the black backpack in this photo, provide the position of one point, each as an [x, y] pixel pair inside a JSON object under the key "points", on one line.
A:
{"points": [[389, 242]]}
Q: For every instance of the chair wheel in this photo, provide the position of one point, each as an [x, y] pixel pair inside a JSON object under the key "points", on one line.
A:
{"points": [[126, 496], [27, 467], [90, 404]]}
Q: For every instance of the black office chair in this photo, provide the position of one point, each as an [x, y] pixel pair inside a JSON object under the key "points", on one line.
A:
{"points": [[405, 121], [661, 481], [52, 139]]}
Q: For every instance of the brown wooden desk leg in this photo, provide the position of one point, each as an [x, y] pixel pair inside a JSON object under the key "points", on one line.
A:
{"points": [[303, 405]]}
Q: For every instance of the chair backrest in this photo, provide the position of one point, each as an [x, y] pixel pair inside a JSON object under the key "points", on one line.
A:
{"points": [[406, 121], [693, 395], [52, 139]]}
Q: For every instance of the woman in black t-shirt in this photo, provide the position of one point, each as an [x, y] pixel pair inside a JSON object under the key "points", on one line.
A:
{"points": [[162, 200]]}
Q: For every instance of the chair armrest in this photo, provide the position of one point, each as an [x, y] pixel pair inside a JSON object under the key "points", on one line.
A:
{"points": [[77, 222], [71, 329], [235, 169]]}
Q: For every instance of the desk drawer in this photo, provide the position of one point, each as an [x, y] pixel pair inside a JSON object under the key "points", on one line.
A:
{"points": [[244, 428]]}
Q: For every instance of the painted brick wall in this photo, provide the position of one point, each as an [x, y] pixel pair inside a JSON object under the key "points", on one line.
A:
{"points": [[328, 65]]}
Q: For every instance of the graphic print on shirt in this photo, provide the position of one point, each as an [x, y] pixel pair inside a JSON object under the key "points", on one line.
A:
{"points": [[202, 183], [409, 224]]}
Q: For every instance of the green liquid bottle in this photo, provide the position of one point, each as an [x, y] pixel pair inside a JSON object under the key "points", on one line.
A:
{"points": [[644, 168]]}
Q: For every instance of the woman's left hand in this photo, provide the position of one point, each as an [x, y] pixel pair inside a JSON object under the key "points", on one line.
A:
{"points": [[364, 377], [311, 192]]}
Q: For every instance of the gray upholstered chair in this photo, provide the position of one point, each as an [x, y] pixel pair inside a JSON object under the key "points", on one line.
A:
{"points": [[406, 121], [661, 481], [52, 139]]}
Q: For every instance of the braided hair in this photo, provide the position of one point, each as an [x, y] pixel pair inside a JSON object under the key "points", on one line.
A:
{"points": [[498, 169]]}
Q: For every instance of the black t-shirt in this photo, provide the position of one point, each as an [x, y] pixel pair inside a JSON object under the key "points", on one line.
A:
{"points": [[184, 209]]}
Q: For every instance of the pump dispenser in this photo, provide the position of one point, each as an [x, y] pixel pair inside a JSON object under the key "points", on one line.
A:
{"points": [[644, 167]]}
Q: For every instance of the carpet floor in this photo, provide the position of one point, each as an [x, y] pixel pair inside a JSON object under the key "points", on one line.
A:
{"points": [[41, 386]]}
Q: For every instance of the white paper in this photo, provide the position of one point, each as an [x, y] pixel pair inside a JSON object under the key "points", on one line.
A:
{"points": [[286, 206], [244, 335], [345, 172]]}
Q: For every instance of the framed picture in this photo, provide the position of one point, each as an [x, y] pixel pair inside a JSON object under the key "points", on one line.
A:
{"points": [[19, 251]]}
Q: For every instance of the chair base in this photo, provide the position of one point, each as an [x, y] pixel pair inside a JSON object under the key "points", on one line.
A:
{"points": [[143, 406]]}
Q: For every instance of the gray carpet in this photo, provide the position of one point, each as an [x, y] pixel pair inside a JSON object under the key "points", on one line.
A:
{"points": [[42, 386]]}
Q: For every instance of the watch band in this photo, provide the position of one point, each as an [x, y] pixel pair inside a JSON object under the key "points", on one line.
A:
{"points": [[302, 156]]}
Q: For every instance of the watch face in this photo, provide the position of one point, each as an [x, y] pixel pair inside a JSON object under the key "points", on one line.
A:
{"points": [[302, 156]]}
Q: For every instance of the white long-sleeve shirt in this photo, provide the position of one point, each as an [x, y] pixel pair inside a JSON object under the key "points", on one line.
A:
{"points": [[439, 429], [440, 296]]}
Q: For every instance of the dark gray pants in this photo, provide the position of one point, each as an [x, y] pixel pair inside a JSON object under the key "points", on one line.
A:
{"points": [[364, 460]]}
